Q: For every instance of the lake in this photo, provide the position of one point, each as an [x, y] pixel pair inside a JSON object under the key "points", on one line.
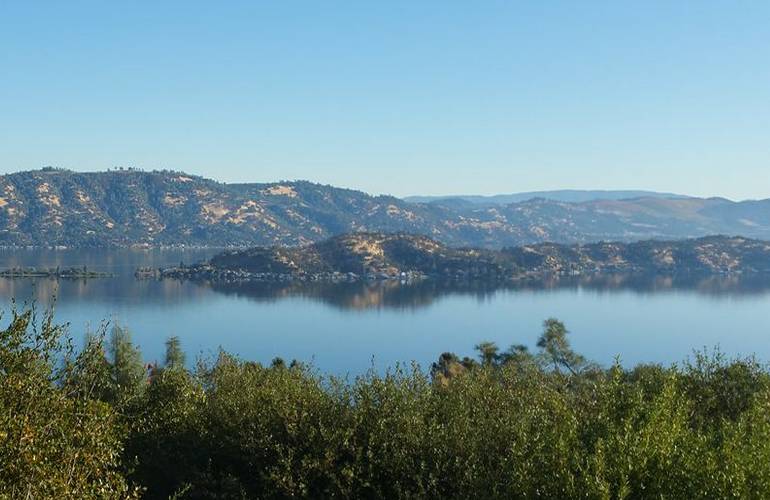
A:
{"points": [[349, 328]]}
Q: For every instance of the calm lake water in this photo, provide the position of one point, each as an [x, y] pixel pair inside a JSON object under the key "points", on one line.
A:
{"points": [[347, 329]]}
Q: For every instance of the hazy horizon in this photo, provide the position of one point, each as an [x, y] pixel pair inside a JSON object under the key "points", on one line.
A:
{"points": [[409, 195]]}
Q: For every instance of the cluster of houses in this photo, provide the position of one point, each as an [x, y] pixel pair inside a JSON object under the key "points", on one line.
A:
{"points": [[207, 272], [52, 272]]}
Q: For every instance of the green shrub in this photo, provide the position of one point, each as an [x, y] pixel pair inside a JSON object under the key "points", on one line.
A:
{"points": [[53, 443], [512, 425]]}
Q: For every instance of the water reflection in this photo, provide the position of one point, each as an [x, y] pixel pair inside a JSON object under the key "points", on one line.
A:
{"points": [[343, 327], [396, 295], [125, 289], [713, 285], [122, 288]]}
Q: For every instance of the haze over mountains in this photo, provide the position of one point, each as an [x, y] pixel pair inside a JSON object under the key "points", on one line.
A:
{"points": [[566, 195], [54, 207]]}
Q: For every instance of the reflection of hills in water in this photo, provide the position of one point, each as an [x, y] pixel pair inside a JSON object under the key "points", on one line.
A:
{"points": [[357, 295], [122, 288], [395, 295], [118, 290], [714, 285], [125, 289]]}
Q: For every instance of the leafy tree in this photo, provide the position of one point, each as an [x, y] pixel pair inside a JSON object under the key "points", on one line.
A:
{"points": [[722, 389], [55, 442], [487, 352], [556, 350], [90, 373], [517, 354], [446, 368], [164, 448]]}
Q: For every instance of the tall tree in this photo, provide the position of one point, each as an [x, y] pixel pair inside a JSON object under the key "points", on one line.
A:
{"points": [[556, 349], [175, 357], [128, 372]]}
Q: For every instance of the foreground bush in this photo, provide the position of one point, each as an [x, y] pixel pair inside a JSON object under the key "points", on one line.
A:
{"points": [[513, 424], [54, 442]]}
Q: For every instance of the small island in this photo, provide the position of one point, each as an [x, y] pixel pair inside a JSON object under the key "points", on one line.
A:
{"points": [[406, 257], [53, 272]]}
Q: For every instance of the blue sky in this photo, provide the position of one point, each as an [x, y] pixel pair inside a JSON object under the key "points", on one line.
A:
{"points": [[412, 97]]}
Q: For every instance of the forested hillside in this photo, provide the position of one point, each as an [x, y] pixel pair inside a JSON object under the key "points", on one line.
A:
{"points": [[53, 207]]}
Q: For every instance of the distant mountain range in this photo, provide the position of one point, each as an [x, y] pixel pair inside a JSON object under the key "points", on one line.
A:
{"points": [[564, 195], [52, 207]]}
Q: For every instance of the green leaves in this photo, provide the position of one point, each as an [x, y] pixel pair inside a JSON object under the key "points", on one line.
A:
{"points": [[55, 442], [516, 425]]}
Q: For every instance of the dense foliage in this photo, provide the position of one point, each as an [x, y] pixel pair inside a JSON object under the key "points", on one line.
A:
{"points": [[57, 440], [512, 423], [131, 207]]}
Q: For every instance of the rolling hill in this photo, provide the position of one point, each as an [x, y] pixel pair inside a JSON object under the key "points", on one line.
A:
{"points": [[53, 207], [378, 255]]}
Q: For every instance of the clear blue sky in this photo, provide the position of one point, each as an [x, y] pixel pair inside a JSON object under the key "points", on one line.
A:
{"points": [[402, 97]]}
